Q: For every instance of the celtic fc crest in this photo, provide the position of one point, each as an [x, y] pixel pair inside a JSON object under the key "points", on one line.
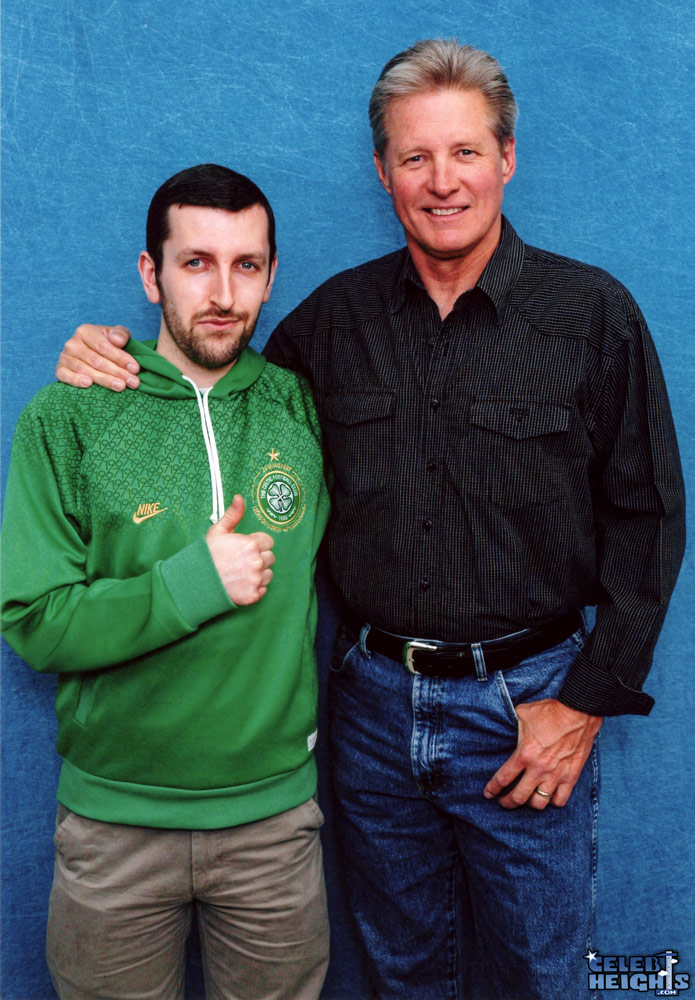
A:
{"points": [[278, 496]]}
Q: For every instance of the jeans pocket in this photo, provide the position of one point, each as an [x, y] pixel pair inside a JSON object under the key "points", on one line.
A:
{"points": [[506, 697], [540, 676], [64, 818], [316, 811]]}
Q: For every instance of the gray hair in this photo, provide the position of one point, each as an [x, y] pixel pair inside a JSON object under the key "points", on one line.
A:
{"points": [[439, 64]]}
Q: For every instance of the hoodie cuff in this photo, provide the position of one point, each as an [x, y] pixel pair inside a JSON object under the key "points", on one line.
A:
{"points": [[194, 584]]}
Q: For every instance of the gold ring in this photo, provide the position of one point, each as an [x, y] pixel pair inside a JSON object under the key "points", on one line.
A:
{"points": [[544, 795]]}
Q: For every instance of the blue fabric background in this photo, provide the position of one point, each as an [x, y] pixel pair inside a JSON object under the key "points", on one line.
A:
{"points": [[102, 102]]}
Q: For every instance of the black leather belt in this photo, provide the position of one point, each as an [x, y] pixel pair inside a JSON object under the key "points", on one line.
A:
{"points": [[457, 659]]}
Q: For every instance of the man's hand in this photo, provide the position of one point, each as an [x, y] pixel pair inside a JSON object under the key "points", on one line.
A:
{"points": [[243, 561], [554, 743], [93, 354]]}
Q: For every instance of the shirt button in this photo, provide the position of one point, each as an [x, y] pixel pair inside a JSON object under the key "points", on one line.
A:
{"points": [[424, 584], [427, 524], [430, 465], [434, 403]]}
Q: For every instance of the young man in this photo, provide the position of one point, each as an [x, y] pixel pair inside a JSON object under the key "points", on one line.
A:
{"points": [[504, 456], [187, 682]]}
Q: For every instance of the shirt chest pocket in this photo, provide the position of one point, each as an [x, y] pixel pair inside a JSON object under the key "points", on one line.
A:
{"points": [[359, 431], [516, 450]]}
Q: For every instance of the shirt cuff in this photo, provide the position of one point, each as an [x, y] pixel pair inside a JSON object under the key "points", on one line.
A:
{"points": [[194, 584], [590, 689]]}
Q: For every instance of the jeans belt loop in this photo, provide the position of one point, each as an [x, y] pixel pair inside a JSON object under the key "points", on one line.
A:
{"points": [[364, 632], [479, 660]]}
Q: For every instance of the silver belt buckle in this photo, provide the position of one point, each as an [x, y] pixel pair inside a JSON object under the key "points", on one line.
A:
{"points": [[411, 647]]}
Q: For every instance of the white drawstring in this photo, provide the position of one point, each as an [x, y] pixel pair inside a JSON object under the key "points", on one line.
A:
{"points": [[218, 505]]}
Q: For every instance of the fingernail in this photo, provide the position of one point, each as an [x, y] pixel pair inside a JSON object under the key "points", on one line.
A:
{"points": [[118, 385], [132, 383], [488, 795], [85, 382], [133, 368]]}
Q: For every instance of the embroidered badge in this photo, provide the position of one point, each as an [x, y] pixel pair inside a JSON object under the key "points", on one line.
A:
{"points": [[278, 495]]}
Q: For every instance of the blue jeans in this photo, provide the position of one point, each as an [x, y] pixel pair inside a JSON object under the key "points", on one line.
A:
{"points": [[454, 896]]}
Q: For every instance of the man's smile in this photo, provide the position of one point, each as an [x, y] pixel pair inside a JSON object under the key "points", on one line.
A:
{"points": [[455, 210]]}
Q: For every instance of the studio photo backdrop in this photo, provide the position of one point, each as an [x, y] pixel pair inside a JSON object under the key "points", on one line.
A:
{"points": [[102, 102]]}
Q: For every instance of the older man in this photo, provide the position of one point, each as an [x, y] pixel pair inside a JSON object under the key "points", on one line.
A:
{"points": [[504, 457]]}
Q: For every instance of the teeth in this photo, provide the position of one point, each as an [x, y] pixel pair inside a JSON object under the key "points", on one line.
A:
{"points": [[444, 211]]}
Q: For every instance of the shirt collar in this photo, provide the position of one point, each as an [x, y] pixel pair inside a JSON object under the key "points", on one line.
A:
{"points": [[503, 269], [405, 276], [496, 281]]}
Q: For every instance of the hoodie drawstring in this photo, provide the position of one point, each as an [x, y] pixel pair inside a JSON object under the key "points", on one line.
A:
{"points": [[218, 505]]}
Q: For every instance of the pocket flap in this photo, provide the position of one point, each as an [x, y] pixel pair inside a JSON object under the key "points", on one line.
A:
{"points": [[520, 418], [359, 405]]}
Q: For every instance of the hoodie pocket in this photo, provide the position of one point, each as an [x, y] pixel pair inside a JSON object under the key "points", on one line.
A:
{"points": [[85, 699]]}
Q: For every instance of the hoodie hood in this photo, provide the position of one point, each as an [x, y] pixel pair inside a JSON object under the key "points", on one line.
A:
{"points": [[159, 377]]}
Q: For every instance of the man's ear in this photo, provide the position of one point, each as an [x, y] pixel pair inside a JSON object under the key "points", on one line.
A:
{"points": [[382, 172], [271, 278], [508, 158], [149, 279]]}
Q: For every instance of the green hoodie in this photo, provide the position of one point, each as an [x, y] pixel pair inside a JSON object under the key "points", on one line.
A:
{"points": [[175, 708]]}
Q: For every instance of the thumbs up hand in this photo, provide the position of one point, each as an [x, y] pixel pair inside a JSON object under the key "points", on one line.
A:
{"points": [[243, 561]]}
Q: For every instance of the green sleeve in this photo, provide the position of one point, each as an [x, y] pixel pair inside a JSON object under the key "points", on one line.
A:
{"points": [[51, 615]]}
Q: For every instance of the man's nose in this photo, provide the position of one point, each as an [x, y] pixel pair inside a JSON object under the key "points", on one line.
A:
{"points": [[222, 291], [443, 177]]}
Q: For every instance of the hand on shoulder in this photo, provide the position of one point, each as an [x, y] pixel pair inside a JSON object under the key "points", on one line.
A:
{"points": [[95, 355]]}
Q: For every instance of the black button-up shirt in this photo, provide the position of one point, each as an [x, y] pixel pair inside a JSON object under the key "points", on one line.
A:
{"points": [[501, 467]]}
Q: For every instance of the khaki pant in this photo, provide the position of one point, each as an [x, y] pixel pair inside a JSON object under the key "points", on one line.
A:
{"points": [[122, 899]]}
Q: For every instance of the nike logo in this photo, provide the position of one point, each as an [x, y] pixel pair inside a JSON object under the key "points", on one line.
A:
{"points": [[147, 510]]}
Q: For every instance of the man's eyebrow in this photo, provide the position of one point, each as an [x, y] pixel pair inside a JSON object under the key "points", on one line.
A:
{"points": [[193, 252], [465, 138], [252, 255]]}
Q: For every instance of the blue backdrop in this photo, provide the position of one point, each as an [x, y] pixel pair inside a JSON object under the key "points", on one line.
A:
{"points": [[102, 102]]}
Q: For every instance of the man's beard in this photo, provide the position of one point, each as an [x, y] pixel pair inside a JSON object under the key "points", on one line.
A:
{"points": [[207, 350]]}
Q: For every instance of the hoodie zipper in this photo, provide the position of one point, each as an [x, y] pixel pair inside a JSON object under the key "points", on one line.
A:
{"points": [[218, 505]]}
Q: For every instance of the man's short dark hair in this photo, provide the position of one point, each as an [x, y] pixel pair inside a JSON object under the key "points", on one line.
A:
{"points": [[207, 185]]}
